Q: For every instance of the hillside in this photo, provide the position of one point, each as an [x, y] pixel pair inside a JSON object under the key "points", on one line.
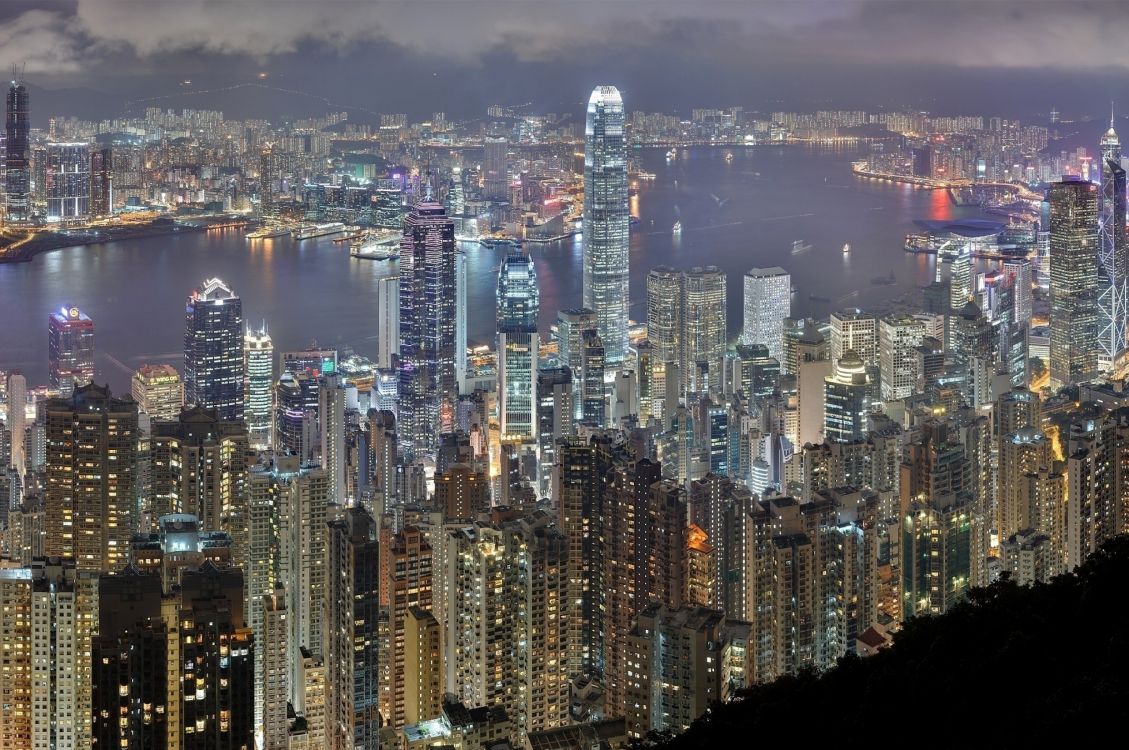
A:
{"points": [[1010, 667]]}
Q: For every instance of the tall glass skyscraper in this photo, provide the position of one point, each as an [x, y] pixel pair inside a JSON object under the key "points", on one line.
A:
{"points": [[518, 303], [1112, 247], [1075, 320], [428, 386], [17, 154], [258, 368], [213, 350], [606, 220], [70, 347], [768, 301], [68, 181]]}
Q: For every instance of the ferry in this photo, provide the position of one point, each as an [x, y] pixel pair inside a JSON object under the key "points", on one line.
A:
{"points": [[799, 246], [677, 228], [267, 233], [846, 248], [671, 154], [381, 244], [729, 157], [309, 231]]}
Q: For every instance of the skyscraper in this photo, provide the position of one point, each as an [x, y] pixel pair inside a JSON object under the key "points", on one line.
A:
{"points": [[68, 181], [846, 401], [268, 173], [1113, 250], [664, 314], [1074, 281], [70, 342], [704, 328], [606, 220], [258, 386], [518, 304], [213, 349], [572, 325], [16, 423], [495, 185], [427, 326], [768, 301], [158, 391], [17, 154], [102, 181], [91, 477], [387, 321]]}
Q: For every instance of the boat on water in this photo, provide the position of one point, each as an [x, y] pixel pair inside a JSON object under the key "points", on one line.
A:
{"points": [[267, 233], [310, 231], [729, 157], [846, 248], [799, 246], [383, 244], [672, 153], [884, 280], [677, 228]]}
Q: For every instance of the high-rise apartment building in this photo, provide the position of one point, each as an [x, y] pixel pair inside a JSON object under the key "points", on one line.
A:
{"points": [[70, 349], [158, 391], [496, 186], [258, 387], [92, 441], [607, 220], [213, 350], [517, 346], [101, 181], [768, 301], [423, 666], [428, 385], [352, 613], [1074, 282], [406, 582], [48, 615], [554, 421]]}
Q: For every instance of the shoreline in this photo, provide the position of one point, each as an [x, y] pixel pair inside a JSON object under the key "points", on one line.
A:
{"points": [[46, 242]]}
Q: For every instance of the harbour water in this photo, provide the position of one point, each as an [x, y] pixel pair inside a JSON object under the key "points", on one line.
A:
{"points": [[735, 213]]}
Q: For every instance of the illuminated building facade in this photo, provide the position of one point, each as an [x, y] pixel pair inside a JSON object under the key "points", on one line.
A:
{"points": [[213, 350], [68, 181], [606, 220], [17, 154], [70, 342], [158, 391], [517, 344], [1074, 282], [768, 301], [258, 387]]}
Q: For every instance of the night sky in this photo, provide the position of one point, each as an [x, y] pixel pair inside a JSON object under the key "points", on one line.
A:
{"points": [[96, 58]]}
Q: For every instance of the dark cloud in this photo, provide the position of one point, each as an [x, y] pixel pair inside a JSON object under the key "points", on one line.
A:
{"points": [[411, 55]]}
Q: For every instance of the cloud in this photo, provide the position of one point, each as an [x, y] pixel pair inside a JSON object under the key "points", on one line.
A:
{"points": [[41, 42]]}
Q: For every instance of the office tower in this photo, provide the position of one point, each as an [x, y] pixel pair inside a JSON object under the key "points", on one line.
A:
{"points": [[943, 553], [757, 375], [423, 666], [1020, 273], [846, 403], [427, 327], [517, 345], [213, 350], [899, 335], [664, 314], [70, 349], [91, 474], [68, 181], [271, 683], [258, 387], [606, 220], [809, 589], [331, 427], [593, 399], [352, 612], [1074, 279], [16, 422], [17, 154], [158, 391], [387, 321], [461, 493], [1113, 248], [405, 583], [460, 320], [101, 181], [571, 328], [268, 176], [554, 421], [704, 331], [768, 301], [199, 465], [313, 361], [853, 329], [48, 613], [296, 413], [496, 186]]}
